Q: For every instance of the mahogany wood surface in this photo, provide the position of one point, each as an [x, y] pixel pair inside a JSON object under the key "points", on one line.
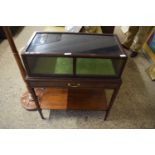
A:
{"points": [[73, 99], [85, 83]]}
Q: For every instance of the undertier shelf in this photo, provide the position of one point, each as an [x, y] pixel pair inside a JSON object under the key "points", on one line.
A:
{"points": [[73, 99]]}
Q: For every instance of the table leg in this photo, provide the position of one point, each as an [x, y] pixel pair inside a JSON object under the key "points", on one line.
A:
{"points": [[36, 102], [111, 102]]}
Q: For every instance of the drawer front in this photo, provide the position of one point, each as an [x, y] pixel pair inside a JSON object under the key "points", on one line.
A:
{"points": [[74, 84]]}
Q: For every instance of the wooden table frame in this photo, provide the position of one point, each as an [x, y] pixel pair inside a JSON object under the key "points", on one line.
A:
{"points": [[67, 81], [62, 83]]}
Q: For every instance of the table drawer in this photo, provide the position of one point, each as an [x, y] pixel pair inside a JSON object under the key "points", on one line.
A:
{"points": [[74, 84]]}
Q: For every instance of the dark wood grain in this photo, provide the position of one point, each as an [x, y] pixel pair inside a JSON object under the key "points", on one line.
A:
{"points": [[73, 99], [84, 83]]}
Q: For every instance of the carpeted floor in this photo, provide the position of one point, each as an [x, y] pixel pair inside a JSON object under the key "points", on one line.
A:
{"points": [[133, 108]]}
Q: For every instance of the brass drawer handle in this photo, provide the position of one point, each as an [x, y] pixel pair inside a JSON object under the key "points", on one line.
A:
{"points": [[73, 85]]}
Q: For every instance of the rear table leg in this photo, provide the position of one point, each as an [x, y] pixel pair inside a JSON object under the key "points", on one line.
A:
{"points": [[111, 102]]}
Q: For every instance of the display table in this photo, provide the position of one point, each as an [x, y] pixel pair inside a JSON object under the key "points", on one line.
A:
{"points": [[73, 70]]}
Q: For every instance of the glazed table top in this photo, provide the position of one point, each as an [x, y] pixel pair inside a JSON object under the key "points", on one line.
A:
{"points": [[75, 44]]}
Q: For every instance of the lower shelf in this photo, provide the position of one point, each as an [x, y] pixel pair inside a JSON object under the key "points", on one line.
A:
{"points": [[73, 99]]}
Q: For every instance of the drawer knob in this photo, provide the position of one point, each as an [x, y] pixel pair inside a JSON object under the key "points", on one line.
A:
{"points": [[74, 85]]}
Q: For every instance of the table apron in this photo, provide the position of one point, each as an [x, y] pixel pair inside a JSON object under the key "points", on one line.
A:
{"points": [[74, 84]]}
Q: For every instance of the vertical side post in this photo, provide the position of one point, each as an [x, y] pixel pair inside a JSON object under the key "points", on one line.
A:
{"points": [[20, 65], [15, 52]]}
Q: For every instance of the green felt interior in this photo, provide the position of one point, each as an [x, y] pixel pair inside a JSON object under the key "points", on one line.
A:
{"points": [[53, 65], [64, 66], [94, 66], [84, 66]]}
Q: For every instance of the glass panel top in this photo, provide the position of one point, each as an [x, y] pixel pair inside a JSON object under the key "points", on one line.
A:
{"points": [[75, 44]]}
